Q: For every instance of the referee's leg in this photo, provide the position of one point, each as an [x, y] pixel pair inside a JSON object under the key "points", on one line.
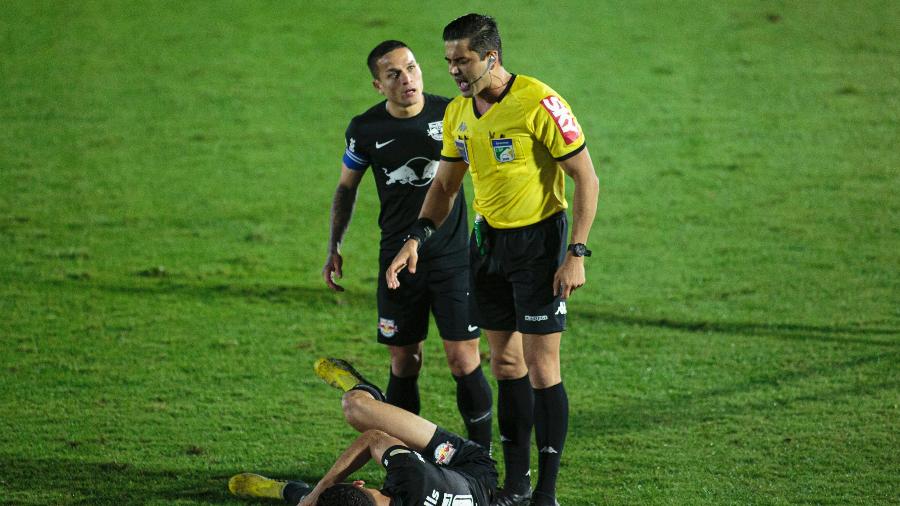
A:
{"points": [[515, 408], [551, 407]]}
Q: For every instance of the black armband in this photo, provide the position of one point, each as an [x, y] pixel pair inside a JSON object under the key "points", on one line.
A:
{"points": [[421, 231]]}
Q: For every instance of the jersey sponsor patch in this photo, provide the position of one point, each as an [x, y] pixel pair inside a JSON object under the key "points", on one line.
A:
{"points": [[436, 130], [443, 454], [503, 150], [387, 327], [461, 147], [563, 117]]}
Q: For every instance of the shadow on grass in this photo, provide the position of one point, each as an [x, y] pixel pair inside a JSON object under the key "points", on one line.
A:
{"points": [[714, 404], [48, 481], [824, 333], [282, 294]]}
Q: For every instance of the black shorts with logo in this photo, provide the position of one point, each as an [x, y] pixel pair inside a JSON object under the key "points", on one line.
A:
{"points": [[513, 281], [441, 290], [464, 456]]}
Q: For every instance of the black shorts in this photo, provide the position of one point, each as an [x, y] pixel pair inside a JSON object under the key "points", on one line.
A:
{"points": [[403, 313], [467, 457], [513, 281]]}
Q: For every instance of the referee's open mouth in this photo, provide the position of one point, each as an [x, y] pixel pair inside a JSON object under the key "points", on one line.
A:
{"points": [[462, 84]]}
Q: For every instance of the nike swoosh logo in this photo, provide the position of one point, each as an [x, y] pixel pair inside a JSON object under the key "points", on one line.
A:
{"points": [[480, 418], [379, 145], [472, 328]]}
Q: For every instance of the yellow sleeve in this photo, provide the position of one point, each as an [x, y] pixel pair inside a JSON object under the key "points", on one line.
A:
{"points": [[555, 126], [449, 149]]}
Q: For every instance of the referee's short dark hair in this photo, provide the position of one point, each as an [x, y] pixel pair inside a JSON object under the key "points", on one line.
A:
{"points": [[379, 51], [345, 494], [481, 31]]}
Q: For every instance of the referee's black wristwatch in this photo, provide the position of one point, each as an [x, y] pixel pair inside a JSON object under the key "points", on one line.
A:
{"points": [[579, 250]]}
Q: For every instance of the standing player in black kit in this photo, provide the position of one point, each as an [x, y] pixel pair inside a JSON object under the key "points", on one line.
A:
{"points": [[401, 139]]}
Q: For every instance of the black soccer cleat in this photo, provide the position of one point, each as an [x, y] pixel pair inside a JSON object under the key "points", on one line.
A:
{"points": [[539, 499], [504, 497]]}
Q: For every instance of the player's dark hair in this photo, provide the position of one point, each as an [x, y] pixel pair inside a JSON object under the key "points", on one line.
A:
{"points": [[481, 31], [345, 494], [379, 51]]}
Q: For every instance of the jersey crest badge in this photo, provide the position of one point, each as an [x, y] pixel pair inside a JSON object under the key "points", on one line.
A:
{"points": [[436, 130], [503, 150], [563, 117], [387, 327], [443, 454]]}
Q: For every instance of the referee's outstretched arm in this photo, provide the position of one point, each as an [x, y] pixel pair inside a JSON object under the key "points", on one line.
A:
{"points": [[436, 208]]}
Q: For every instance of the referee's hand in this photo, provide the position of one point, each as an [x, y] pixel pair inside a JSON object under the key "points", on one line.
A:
{"points": [[407, 257], [569, 277]]}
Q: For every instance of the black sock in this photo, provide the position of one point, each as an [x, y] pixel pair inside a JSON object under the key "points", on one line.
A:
{"points": [[371, 390], [515, 416], [295, 491], [551, 423], [474, 399], [404, 393]]}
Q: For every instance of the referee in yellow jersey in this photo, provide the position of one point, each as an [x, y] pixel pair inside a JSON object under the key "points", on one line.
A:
{"points": [[519, 139]]}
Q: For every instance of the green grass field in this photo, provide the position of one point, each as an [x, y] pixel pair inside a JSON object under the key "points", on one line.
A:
{"points": [[166, 170]]}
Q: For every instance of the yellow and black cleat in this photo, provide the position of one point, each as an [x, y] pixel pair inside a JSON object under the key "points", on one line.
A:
{"points": [[340, 374], [254, 485]]}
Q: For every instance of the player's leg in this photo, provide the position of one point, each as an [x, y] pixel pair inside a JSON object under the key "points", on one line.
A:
{"points": [[364, 412], [402, 326], [474, 397], [449, 291], [403, 383]]}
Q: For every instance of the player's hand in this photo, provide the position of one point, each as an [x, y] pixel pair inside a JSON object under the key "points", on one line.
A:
{"points": [[310, 499], [569, 277], [333, 269], [407, 258]]}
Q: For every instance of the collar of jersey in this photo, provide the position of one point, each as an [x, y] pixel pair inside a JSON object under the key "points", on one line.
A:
{"points": [[509, 85]]}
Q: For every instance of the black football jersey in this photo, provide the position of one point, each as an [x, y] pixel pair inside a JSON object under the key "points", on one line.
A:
{"points": [[404, 154], [411, 481]]}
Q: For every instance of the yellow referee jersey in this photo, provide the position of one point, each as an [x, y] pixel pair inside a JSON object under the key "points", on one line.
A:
{"points": [[512, 151]]}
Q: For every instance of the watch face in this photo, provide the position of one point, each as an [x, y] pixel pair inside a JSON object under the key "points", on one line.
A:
{"points": [[578, 249]]}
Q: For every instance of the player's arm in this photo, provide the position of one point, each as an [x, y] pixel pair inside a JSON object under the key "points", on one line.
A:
{"points": [[341, 212], [371, 444], [580, 168], [438, 203]]}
